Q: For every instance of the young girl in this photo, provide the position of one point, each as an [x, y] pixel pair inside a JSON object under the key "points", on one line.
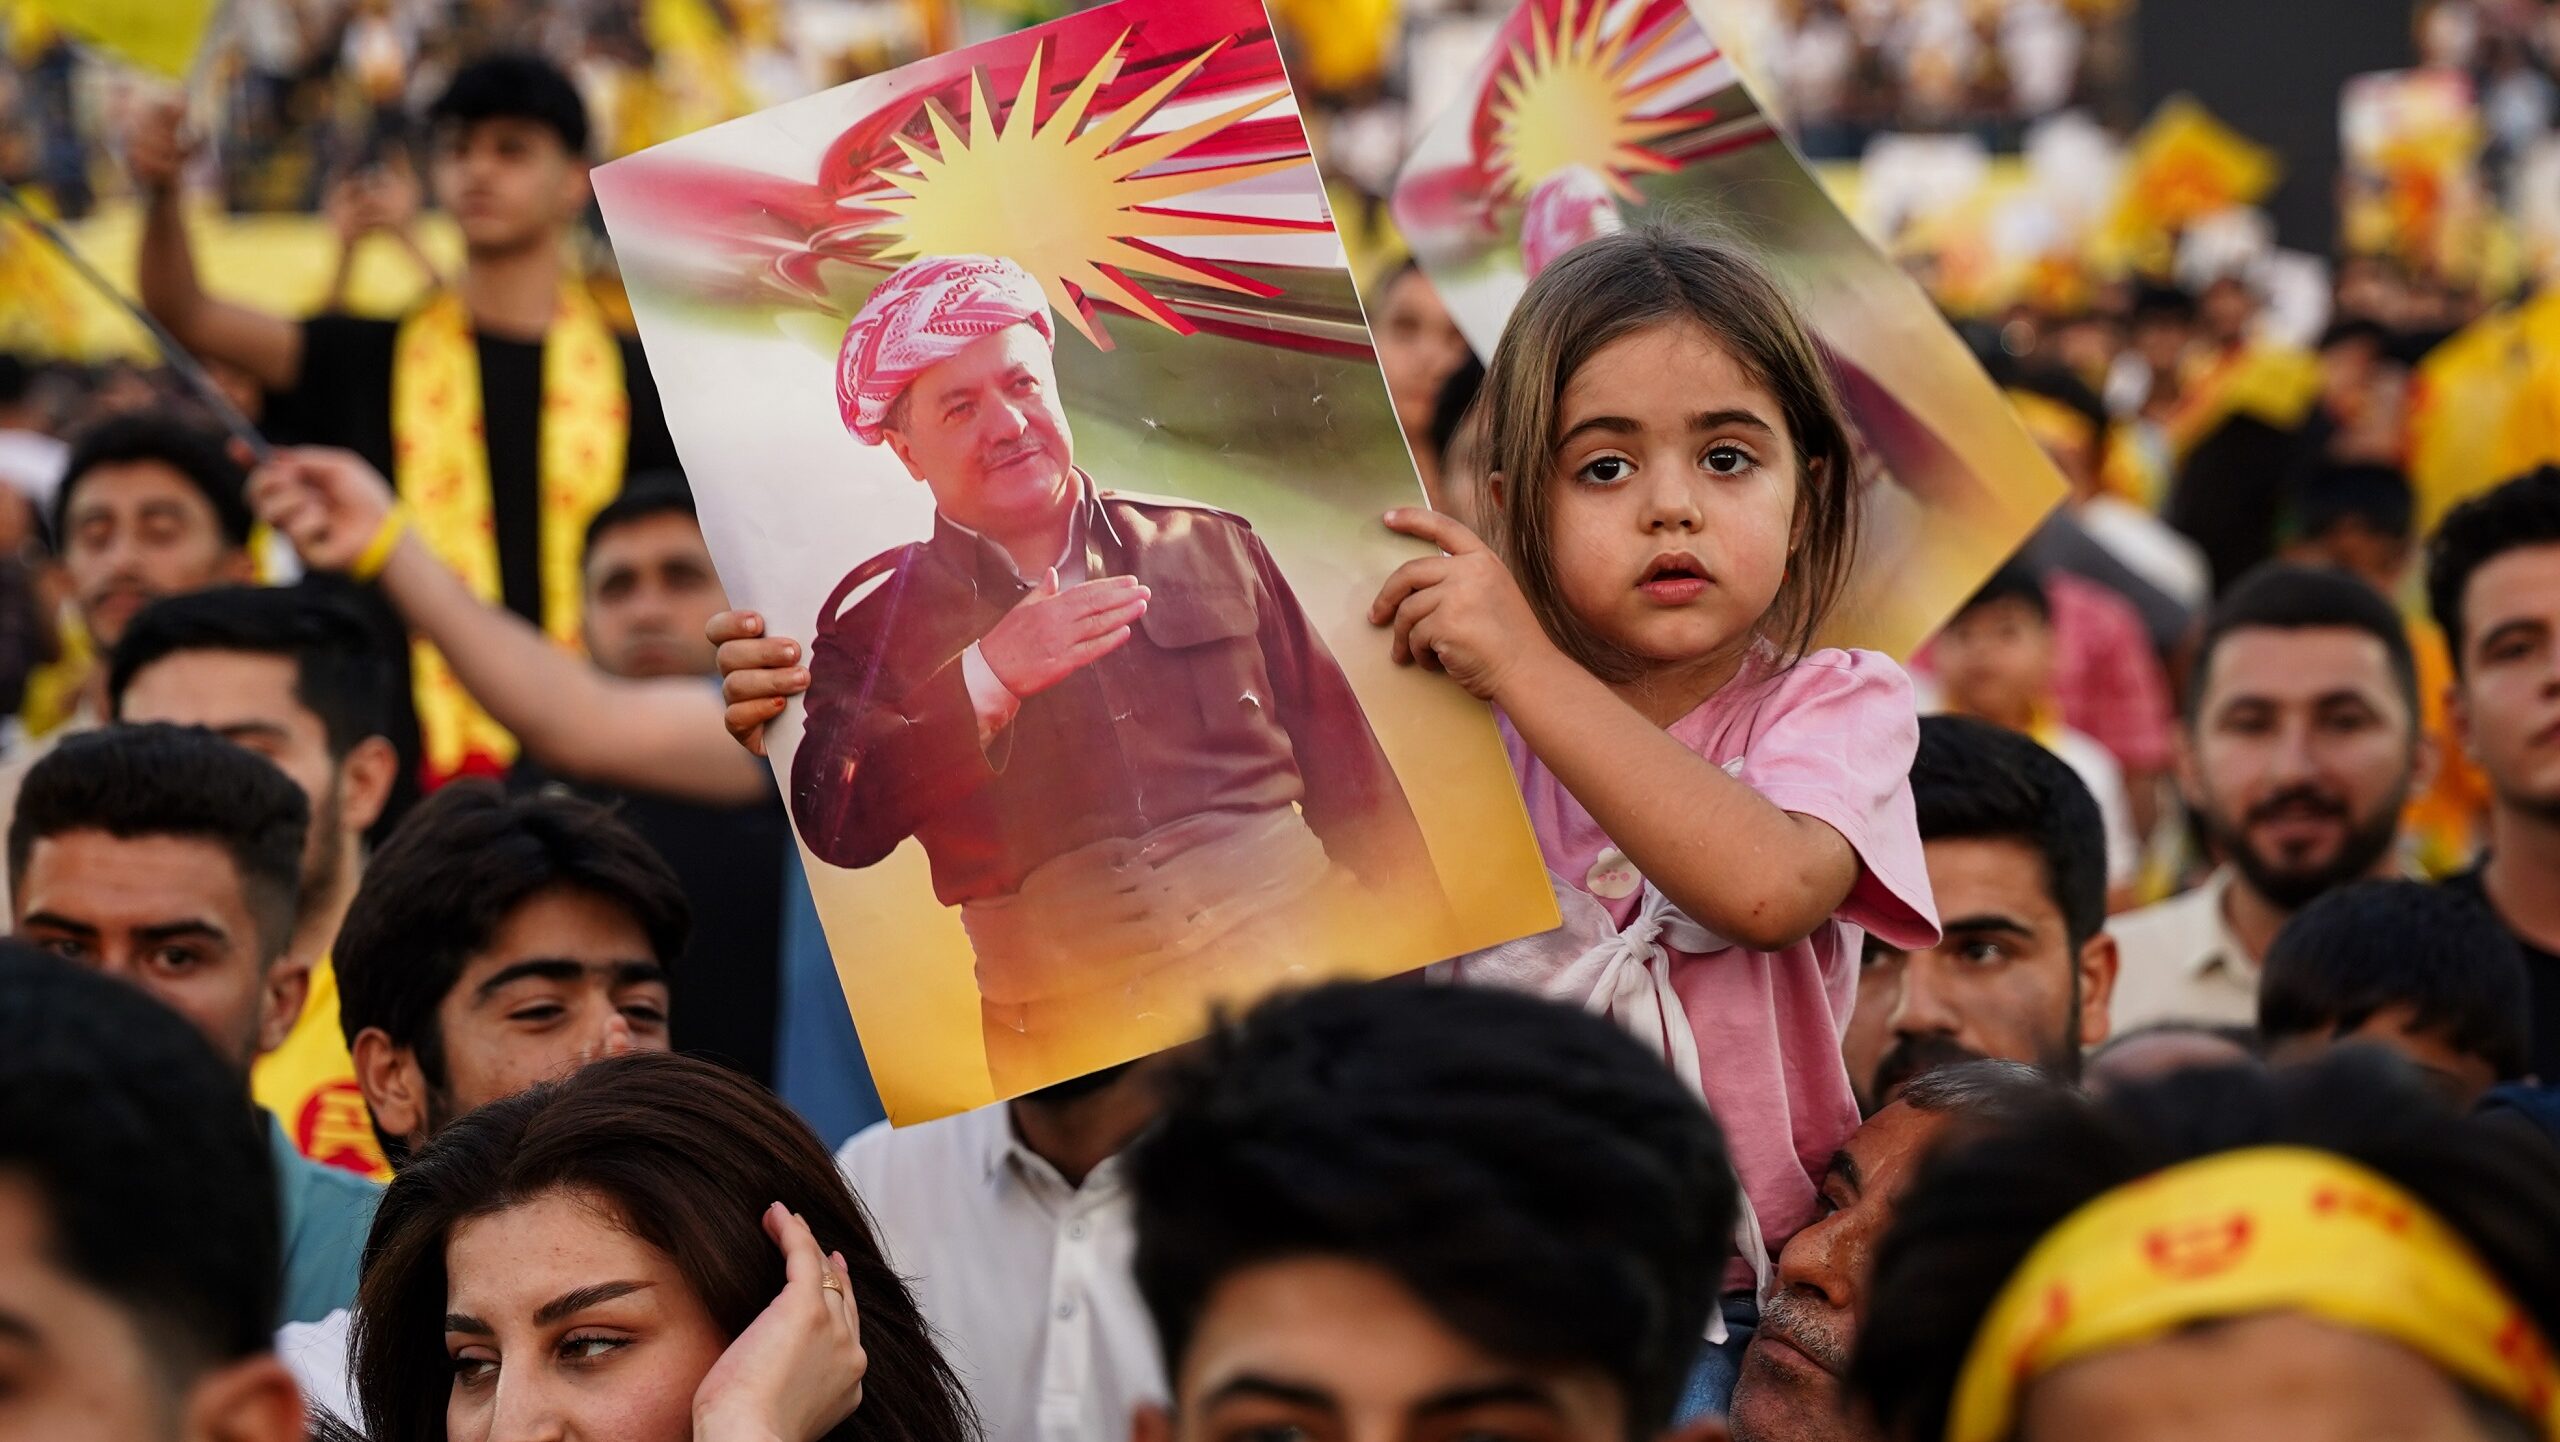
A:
{"points": [[1725, 811]]}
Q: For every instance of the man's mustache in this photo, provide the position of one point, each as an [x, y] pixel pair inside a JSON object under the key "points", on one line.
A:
{"points": [[2313, 799], [1808, 1328]]}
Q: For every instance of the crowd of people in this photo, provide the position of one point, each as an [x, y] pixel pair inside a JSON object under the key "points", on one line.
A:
{"points": [[2128, 1021]]}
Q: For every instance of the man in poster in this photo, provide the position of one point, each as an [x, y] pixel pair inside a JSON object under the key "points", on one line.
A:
{"points": [[1127, 754]]}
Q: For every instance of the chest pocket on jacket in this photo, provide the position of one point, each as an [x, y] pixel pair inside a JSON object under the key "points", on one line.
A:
{"points": [[1211, 635]]}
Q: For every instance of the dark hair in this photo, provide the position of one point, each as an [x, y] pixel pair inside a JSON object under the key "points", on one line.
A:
{"points": [[98, 1080], [2355, 330], [2057, 384], [653, 493], [688, 1155], [1983, 1088], [2283, 597], [2522, 513], [2379, 944], [1971, 780], [452, 873], [2012, 582], [1450, 408], [198, 452], [1614, 286], [159, 780], [1978, 1208], [17, 378], [1540, 1183], [2154, 301], [2376, 495], [340, 675], [517, 86]]}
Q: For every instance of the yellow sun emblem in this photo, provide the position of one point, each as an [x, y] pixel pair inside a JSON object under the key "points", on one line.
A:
{"points": [[1571, 96], [1065, 200]]}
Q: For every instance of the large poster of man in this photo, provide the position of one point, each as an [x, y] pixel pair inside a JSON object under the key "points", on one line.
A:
{"points": [[1027, 388], [1589, 115]]}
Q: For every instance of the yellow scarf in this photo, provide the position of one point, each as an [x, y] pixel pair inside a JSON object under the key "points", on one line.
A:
{"points": [[441, 466]]}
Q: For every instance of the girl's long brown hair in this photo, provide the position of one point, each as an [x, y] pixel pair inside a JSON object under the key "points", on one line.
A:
{"points": [[1612, 287], [689, 1155]]}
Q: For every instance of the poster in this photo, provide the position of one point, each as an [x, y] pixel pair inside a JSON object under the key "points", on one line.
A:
{"points": [[1038, 851], [1590, 115]]}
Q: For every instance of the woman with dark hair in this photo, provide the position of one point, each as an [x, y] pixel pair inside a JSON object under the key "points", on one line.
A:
{"points": [[652, 1250]]}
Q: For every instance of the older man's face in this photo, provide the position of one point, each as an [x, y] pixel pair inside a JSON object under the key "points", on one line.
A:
{"points": [[984, 429], [1789, 1390]]}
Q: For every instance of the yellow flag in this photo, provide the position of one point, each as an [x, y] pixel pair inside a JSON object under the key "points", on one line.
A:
{"points": [[2184, 165], [1342, 45], [158, 35]]}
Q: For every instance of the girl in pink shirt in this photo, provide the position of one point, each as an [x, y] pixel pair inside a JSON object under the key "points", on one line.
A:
{"points": [[1725, 809]]}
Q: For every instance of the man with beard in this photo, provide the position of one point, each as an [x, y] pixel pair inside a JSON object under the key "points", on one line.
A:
{"points": [[296, 679], [2493, 581], [1789, 1390], [150, 506], [1015, 1226], [2300, 747], [2023, 972]]}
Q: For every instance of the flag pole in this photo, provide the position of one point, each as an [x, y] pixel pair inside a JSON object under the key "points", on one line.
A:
{"points": [[179, 359]]}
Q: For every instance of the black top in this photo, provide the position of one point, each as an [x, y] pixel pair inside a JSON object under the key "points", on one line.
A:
{"points": [[343, 398], [726, 990], [2542, 975]]}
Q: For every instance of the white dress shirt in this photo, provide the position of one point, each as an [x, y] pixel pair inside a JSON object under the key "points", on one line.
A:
{"points": [[1024, 1279], [2179, 961]]}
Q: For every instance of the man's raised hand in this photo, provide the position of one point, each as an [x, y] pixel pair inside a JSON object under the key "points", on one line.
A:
{"points": [[329, 503], [1054, 632]]}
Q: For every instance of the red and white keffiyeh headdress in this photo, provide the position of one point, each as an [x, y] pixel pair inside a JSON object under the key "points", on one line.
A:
{"points": [[926, 312]]}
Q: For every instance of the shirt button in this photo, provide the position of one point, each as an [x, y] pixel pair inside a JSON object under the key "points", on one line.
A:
{"points": [[1066, 1311], [1249, 702], [1075, 1231], [1612, 876]]}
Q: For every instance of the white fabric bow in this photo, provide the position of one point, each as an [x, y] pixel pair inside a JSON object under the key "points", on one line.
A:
{"points": [[1624, 974]]}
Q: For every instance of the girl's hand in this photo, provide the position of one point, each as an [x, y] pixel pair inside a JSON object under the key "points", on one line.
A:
{"points": [[330, 504], [758, 674], [797, 1369], [1461, 612]]}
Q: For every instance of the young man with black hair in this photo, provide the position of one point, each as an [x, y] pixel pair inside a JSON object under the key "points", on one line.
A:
{"points": [[1404, 1212], [297, 678], [150, 505], [1790, 1387], [2314, 1252], [2025, 969], [2405, 966], [2298, 753], [497, 942], [506, 407], [169, 858], [138, 1247], [1995, 661], [2493, 584], [650, 585]]}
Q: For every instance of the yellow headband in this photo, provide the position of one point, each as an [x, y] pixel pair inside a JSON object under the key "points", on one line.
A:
{"points": [[2272, 1229]]}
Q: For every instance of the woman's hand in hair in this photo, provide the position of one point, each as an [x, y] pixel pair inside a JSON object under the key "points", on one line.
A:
{"points": [[797, 1370]]}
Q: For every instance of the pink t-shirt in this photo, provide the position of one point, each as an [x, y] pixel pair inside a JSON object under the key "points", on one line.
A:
{"points": [[1832, 738]]}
